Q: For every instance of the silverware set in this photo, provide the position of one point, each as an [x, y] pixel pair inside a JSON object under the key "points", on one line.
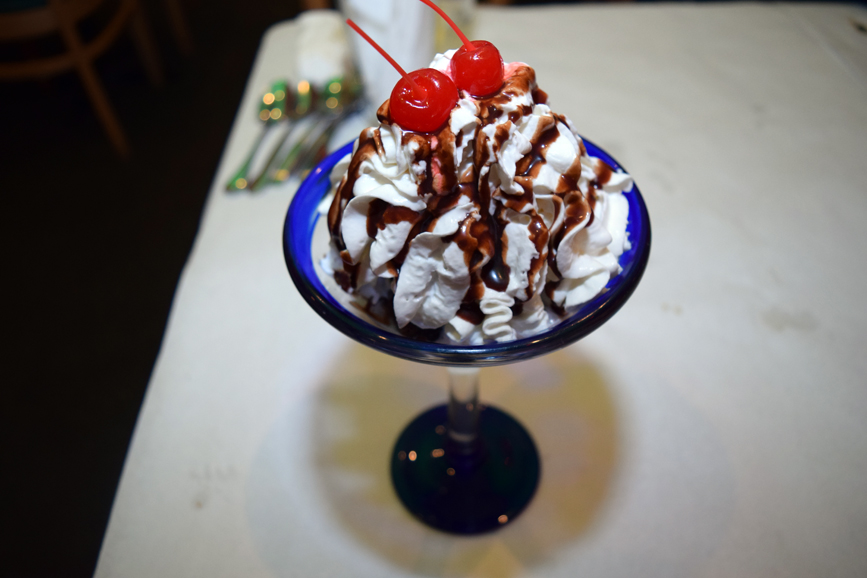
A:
{"points": [[297, 123]]}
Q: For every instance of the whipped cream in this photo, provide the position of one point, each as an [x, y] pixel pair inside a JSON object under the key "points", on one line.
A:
{"points": [[491, 229]]}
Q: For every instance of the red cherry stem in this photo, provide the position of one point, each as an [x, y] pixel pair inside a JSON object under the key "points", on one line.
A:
{"points": [[416, 89], [451, 23]]}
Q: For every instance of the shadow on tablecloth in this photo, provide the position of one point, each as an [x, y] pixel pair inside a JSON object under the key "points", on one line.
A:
{"points": [[320, 495]]}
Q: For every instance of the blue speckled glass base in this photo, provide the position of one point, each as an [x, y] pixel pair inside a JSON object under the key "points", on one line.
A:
{"points": [[466, 489]]}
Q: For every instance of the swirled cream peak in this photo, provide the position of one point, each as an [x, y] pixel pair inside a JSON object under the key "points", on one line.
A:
{"points": [[491, 228]]}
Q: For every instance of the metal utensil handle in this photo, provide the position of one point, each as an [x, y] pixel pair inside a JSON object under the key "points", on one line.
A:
{"points": [[239, 181], [273, 169]]}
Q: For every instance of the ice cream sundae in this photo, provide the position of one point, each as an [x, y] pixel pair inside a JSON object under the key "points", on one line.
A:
{"points": [[479, 219]]}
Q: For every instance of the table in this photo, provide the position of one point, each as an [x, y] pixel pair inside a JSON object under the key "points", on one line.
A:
{"points": [[715, 427]]}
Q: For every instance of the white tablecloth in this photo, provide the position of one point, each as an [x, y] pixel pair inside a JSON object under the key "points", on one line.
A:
{"points": [[714, 427]]}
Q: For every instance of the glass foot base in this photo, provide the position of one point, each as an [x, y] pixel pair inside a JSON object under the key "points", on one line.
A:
{"points": [[461, 489]]}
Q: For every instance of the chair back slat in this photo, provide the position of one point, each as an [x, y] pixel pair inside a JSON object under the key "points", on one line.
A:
{"points": [[36, 22]]}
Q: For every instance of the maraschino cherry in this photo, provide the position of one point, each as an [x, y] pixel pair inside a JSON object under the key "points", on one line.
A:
{"points": [[477, 66], [422, 100]]}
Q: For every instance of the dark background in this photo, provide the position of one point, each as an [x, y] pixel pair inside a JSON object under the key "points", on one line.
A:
{"points": [[92, 248]]}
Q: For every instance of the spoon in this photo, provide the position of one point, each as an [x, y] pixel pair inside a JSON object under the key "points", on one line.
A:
{"points": [[316, 143], [306, 100], [338, 99], [276, 105]]}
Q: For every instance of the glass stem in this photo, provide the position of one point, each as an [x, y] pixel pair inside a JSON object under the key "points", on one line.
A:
{"points": [[463, 425]]}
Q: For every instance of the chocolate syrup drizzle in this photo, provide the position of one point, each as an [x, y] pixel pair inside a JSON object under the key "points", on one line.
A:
{"points": [[481, 235]]}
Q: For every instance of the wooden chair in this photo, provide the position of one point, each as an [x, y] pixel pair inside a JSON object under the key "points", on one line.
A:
{"points": [[46, 17], [180, 30]]}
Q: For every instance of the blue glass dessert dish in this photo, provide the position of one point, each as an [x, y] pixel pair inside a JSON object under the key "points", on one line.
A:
{"points": [[463, 467]]}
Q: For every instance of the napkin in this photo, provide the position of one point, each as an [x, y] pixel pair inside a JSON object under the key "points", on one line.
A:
{"points": [[323, 51], [404, 29]]}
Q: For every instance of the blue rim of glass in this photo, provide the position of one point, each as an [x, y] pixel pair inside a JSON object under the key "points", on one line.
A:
{"points": [[301, 220]]}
